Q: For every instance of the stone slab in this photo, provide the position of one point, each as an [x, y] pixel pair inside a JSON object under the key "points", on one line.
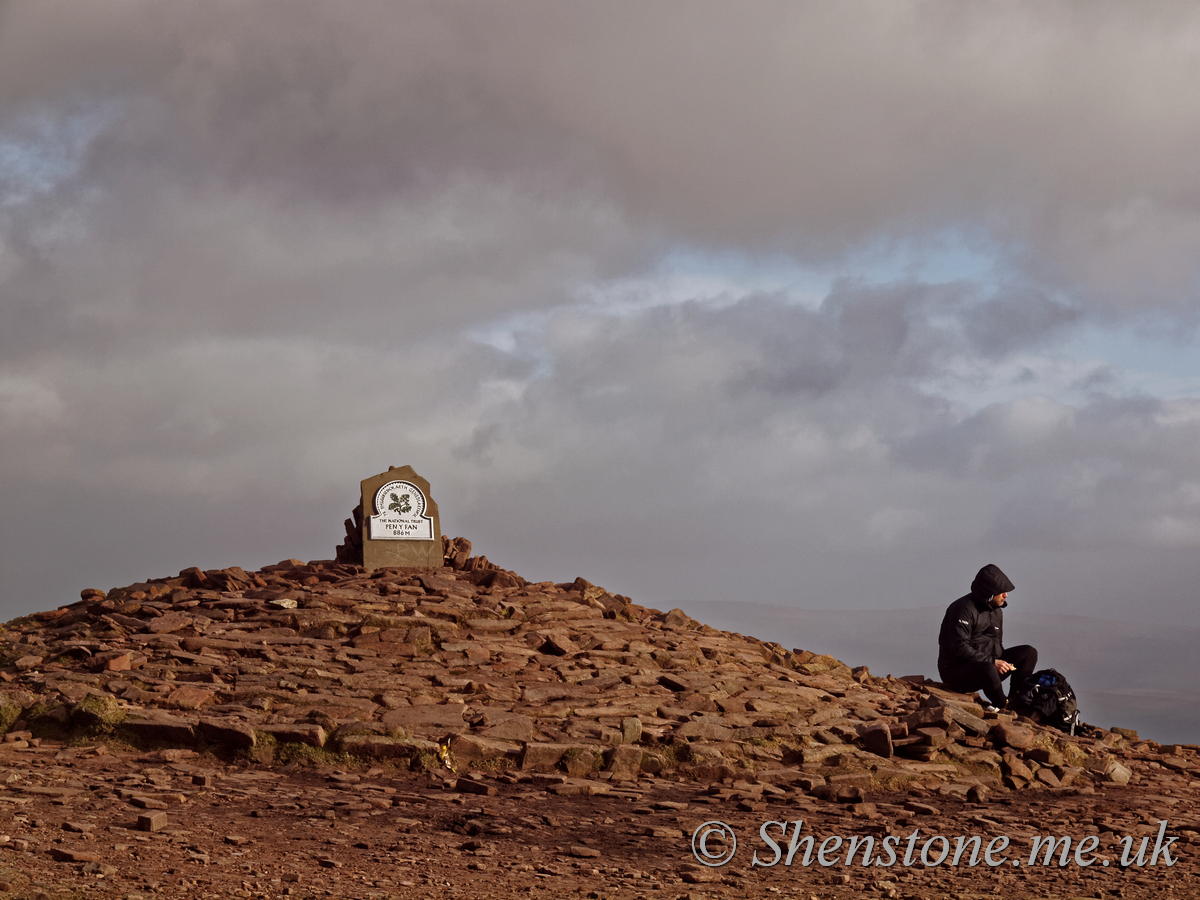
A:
{"points": [[378, 554], [438, 718], [375, 746]]}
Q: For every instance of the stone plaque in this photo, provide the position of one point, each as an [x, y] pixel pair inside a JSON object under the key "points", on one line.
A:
{"points": [[402, 516], [400, 526]]}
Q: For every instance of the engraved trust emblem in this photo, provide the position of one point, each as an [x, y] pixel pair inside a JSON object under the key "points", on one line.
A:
{"points": [[400, 514]]}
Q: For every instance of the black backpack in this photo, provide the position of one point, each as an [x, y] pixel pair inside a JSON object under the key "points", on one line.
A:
{"points": [[1046, 697]]}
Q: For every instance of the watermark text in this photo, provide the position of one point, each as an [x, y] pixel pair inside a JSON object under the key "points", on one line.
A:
{"points": [[784, 843]]}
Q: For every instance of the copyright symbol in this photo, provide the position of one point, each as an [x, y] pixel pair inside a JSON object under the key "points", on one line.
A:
{"points": [[715, 831]]}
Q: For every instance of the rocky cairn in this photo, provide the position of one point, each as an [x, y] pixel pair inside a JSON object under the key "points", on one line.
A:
{"points": [[475, 674]]}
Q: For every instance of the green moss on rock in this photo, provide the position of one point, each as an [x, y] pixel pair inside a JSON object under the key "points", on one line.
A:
{"points": [[10, 712], [97, 712]]}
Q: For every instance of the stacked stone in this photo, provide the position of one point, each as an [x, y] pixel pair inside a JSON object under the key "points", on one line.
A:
{"points": [[474, 669], [350, 550]]}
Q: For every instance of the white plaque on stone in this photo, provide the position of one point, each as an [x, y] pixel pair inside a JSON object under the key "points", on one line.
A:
{"points": [[401, 514]]}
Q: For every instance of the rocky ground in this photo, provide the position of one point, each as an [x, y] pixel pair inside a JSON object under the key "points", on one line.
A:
{"points": [[315, 730]]}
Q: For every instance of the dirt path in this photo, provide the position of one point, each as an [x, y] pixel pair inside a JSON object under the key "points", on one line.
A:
{"points": [[71, 821]]}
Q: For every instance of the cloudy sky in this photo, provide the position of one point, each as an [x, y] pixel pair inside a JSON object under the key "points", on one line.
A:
{"points": [[819, 305]]}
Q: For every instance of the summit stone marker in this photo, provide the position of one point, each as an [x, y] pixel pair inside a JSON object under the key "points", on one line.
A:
{"points": [[400, 523]]}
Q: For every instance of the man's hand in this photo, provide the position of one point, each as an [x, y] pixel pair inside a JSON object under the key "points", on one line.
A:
{"points": [[1003, 666]]}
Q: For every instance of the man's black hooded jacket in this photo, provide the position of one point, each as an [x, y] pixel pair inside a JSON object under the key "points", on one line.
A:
{"points": [[972, 630]]}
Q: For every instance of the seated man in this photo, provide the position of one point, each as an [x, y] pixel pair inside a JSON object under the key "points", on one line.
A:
{"points": [[971, 654]]}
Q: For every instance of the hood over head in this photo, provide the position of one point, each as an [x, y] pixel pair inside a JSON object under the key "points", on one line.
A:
{"points": [[990, 581]]}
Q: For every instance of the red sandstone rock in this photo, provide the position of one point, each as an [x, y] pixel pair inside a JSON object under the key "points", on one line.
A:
{"points": [[1006, 734], [878, 740], [190, 697], [477, 668]]}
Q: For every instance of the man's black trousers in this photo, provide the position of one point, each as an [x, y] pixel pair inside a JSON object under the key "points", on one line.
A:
{"points": [[970, 676]]}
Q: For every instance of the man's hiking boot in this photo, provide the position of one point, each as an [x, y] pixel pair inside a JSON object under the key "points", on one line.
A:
{"points": [[989, 707]]}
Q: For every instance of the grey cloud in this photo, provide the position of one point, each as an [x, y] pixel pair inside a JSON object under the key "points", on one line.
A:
{"points": [[878, 457], [638, 450], [318, 171], [162, 266], [813, 129], [1016, 318], [1113, 472], [767, 345], [1006, 438], [1099, 378]]}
